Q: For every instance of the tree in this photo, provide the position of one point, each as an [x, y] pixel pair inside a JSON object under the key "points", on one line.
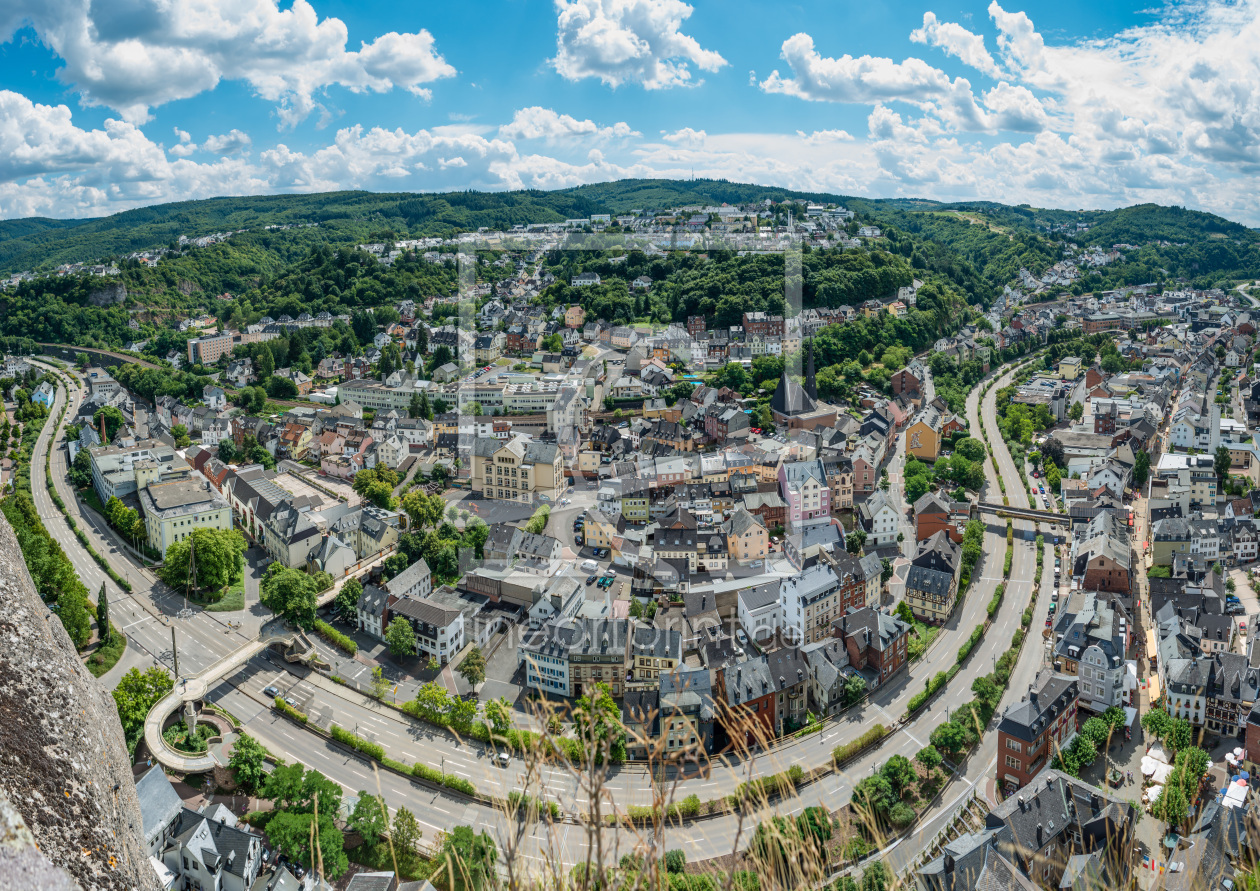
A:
{"points": [[81, 469], [291, 834], [874, 877], [369, 818], [916, 488], [113, 421], [1141, 468], [553, 343], [1180, 735], [81, 360], [346, 604], [246, 762], [135, 695], [380, 683], [405, 834], [400, 637], [103, 631], [180, 433], [278, 387], [971, 449], [227, 451], [900, 773], [597, 718], [415, 409], [265, 363], [473, 668], [854, 541], [1221, 462], [854, 689], [466, 860], [929, 757], [498, 715], [423, 510], [949, 738], [289, 593], [72, 609], [904, 613], [1077, 411], [215, 557]]}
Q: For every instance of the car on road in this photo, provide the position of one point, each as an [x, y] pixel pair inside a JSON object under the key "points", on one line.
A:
{"points": [[590, 579], [503, 759], [589, 566], [741, 637], [290, 702], [271, 691]]}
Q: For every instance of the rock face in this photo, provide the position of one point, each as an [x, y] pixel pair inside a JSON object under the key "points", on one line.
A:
{"points": [[64, 767], [114, 292]]}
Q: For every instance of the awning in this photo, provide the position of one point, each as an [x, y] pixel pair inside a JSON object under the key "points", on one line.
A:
{"points": [[1152, 644], [1130, 715], [1152, 687]]}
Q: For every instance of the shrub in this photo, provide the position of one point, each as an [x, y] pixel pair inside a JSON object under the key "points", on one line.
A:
{"points": [[371, 749], [675, 861], [901, 815], [842, 753], [965, 650], [336, 638], [997, 600], [285, 709]]}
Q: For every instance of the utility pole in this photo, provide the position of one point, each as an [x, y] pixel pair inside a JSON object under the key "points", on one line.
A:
{"points": [[174, 653]]}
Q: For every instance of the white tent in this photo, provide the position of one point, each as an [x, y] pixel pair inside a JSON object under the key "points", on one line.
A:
{"points": [[1236, 794], [1157, 752]]}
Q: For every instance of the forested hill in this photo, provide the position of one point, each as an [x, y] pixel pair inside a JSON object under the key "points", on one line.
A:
{"points": [[345, 217]]}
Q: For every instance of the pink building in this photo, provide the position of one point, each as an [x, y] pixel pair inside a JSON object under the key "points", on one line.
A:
{"points": [[803, 485]]}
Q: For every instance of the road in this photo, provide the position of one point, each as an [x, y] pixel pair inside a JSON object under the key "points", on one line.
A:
{"points": [[148, 612]]}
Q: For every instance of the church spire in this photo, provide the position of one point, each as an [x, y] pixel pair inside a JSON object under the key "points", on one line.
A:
{"points": [[810, 387]]}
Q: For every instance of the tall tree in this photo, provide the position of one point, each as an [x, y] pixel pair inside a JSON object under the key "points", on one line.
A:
{"points": [[103, 630], [473, 668], [369, 817], [401, 637]]}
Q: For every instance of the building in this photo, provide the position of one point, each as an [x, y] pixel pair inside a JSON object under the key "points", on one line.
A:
{"points": [[806, 495], [1093, 633], [1058, 832], [100, 382], [118, 471], [810, 601], [747, 538], [438, 625], [654, 652], [173, 510], [517, 470], [759, 611], [1033, 729], [876, 643], [924, 435], [207, 350], [932, 583], [880, 519], [933, 514]]}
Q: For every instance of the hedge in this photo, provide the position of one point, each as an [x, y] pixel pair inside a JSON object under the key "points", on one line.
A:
{"points": [[970, 644], [371, 749], [934, 683], [335, 637], [285, 709], [763, 787], [997, 599], [846, 751], [521, 802]]}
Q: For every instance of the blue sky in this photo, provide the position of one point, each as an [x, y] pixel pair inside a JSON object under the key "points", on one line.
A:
{"points": [[118, 104]]}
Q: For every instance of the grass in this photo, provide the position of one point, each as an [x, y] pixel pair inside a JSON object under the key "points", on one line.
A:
{"points": [[178, 738], [378, 857], [233, 598], [106, 657]]}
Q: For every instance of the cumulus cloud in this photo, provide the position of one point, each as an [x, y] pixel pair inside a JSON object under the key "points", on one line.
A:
{"points": [[537, 122], [865, 79], [133, 55], [685, 136], [956, 41], [629, 41], [227, 143]]}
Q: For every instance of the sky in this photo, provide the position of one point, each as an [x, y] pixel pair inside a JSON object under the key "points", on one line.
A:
{"points": [[107, 105]]}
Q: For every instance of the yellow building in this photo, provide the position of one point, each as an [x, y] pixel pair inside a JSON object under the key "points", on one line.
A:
{"points": [[173, 510], [517, 470], [1070, 368], [923, 437], [574, 316], [747, 538]]}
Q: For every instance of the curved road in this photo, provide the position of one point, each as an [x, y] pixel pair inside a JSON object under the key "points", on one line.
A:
{"points": [[149, 610]]}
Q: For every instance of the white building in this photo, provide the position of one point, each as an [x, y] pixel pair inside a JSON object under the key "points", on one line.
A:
{"points": [[759, 611]]}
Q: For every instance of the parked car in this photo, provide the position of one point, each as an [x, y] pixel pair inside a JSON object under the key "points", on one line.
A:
{"points": [[741, 637], [271, 691], [590, 579]]}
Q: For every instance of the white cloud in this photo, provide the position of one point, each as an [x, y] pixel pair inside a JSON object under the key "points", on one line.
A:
{"points": [[685, 136], [537, 122], [228, 143], [629, 41], [1014, 108], [821, 137], [866, 79], [956, 41], [133, 55]]}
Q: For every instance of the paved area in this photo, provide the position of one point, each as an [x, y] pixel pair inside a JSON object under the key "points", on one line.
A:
{"points": [[297, 486]]}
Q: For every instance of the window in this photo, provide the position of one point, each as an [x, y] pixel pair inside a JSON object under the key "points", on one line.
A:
{"points": [[1012, 761]]}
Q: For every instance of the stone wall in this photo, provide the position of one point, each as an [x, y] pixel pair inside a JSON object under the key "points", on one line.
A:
{"points": [[64, 766]]}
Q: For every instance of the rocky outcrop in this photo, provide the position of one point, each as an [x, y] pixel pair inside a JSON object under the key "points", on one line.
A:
{"points": [[63, 761], [105, 295]]}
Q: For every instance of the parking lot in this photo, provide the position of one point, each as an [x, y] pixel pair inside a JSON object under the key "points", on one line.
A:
{"points": [[296, 485]]}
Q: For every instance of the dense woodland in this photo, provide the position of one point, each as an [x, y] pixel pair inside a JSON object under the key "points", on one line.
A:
{"points": [[964, 252]]}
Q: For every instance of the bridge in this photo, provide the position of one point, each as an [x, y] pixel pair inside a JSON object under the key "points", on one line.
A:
{"points": [[189, 691], [1024, 513]]}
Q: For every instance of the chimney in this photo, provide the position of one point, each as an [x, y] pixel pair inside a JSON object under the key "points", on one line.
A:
{"points": [[1039, 835]]}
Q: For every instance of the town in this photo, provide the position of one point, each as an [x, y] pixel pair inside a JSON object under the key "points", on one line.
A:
{"points": [[990, 597]]}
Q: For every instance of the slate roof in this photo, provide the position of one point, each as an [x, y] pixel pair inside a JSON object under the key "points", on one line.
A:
{"points": [[159, 802]]}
